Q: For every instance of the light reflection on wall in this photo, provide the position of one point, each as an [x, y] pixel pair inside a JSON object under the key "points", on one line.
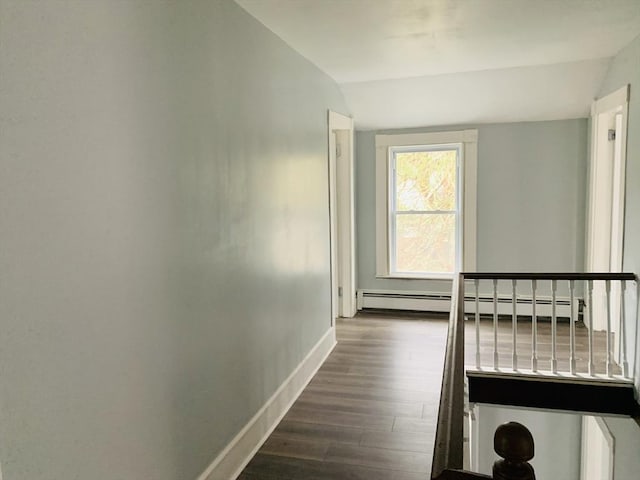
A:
{"points": [[298, 242]]}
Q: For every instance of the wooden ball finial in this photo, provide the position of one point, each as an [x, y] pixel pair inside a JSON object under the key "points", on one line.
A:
{"points": [[514, 443]]}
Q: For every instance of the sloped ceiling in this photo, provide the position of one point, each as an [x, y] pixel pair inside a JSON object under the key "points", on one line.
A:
{"points": [[406, 63]]}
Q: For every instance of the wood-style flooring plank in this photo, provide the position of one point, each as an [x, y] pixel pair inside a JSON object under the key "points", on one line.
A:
{"points": [[423, 384], [373, 392], [370, 411], [316, 431], [328, 417], [405, 441], [415, 425], [260, 476], [300, 469], [380, 458], [286, 446], [319, 400]]}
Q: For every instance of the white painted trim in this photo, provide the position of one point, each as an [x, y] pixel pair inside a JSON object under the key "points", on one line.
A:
{"points": [[590, 193], [339, 121], [333, 227], [586, 456], [341, 133], [611, 101], [620, 175], [428, 138], [599, 205], [616, 100], [236, 455], [611, 443], [469, 153], [469, 196], [617, 229], [382, 207], [474, 437], [441, 302], [417, 276]]}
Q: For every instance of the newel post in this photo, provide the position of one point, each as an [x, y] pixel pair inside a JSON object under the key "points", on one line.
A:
{"points": [[514, 443]]}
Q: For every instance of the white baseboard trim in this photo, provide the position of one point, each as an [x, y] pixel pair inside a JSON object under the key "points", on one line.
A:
{"points": [[441, 302], [237, 454]]}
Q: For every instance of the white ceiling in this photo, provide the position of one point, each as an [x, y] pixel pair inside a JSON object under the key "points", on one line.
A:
{"points": [[407, 63]]}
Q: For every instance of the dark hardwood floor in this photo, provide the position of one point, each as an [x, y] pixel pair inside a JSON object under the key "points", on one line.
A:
{"points": [[370, 411]]}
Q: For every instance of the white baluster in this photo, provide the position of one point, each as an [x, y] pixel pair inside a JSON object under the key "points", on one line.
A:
{"points": [[623, 329], [572, 328], [608, 289], [495, 323], [590, 326], [476, 282], [534, 329], [554, 359], [514, 321]]}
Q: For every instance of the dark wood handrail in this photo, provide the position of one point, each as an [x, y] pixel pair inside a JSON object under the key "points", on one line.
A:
{"points": [[448, 448], [448, 454], [547, 276], [463, 475]]}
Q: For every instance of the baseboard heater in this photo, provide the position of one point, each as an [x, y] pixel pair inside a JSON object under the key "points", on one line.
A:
{"points": [[441, 302]]}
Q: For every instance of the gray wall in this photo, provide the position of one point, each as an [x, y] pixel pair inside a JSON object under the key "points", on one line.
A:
{"points": [[557, 437], [625, 69], [530, 204], [165, 239]]}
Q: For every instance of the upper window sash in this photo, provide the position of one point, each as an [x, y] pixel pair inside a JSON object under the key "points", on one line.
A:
{"points": [[393, 150]]}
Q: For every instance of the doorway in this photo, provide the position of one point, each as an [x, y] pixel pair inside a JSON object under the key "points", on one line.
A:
{"points": [[342, 216], [606, 193]]}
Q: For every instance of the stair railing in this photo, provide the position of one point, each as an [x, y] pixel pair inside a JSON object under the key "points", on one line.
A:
{"points": [[614, 287], [512, 442]]}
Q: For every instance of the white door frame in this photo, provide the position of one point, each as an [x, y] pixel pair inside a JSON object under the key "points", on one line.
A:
{"points": [[342, 215], [598, 450], [606, 194]]}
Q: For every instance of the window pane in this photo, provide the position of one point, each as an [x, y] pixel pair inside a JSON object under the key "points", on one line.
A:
{"points": [[426, 180], [425, 243]]}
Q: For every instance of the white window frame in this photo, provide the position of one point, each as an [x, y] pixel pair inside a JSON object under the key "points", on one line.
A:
{"points": [[393, 211], [467, 141]]}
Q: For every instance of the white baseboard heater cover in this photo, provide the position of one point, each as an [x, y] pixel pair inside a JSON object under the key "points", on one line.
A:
{"points": [[441, 302]]}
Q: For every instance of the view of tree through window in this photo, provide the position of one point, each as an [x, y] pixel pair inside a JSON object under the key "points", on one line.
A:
{"points": [[424, 213]]}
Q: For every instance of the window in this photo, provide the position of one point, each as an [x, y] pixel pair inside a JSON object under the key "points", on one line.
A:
{"points": [[423, 209], [425, 205]]}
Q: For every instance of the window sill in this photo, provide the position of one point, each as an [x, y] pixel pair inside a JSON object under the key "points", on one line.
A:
{"points": [[409, 276]]}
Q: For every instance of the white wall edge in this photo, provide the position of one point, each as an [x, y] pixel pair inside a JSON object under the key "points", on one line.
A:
{"points": [[342, 212], [470, 201], [237, 454], [338, 121], [611, 101]]}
